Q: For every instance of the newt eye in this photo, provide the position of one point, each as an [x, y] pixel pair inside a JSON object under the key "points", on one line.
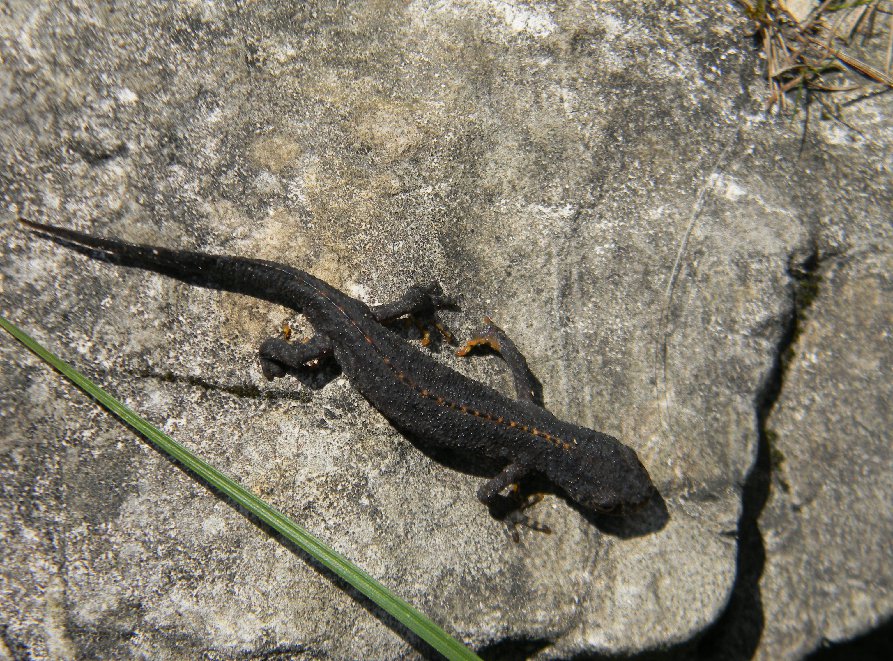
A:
{"points": [[625, 508]]}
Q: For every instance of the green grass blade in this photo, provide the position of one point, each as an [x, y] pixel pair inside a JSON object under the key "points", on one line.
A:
{"points": [[397, 607]]}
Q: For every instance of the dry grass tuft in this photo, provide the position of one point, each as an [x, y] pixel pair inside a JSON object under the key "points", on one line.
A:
{"points": [[822, 46]]}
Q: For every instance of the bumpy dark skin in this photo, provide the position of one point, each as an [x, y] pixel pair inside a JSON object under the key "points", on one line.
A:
{"points": [[417, 394]]}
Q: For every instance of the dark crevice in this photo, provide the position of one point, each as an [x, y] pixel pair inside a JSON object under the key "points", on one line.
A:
{"points": [[684, 650], [876, 644], [736, 633], [286, 652], [510, 649], [95, 153], [17, 648]]}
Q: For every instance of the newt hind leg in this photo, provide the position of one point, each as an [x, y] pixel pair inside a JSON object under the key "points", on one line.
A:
{"points": [[277, 356], [527, 386]]}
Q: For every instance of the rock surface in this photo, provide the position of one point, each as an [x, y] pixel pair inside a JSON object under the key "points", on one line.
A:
{"points": [[599, 179], [828, 525], [827, 530]]}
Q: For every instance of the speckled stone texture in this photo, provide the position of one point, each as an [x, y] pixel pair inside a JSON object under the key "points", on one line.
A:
{"points": [[828, 516], [598, 177]]}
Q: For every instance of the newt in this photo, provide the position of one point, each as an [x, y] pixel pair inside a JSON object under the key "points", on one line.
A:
{"points": [[418, 395]]}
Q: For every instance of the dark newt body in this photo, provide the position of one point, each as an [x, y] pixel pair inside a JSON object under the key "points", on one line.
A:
{"points": [[416, 393]]}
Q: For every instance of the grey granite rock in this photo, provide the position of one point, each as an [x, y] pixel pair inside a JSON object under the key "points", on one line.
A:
{"points": [[597, 178], [828, 526]]}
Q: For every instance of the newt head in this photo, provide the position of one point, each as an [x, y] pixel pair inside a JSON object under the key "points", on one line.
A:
{"points": [[601, 474]]}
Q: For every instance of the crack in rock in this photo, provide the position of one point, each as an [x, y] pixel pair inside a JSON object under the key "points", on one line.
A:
{"points": [[736, 633]]}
